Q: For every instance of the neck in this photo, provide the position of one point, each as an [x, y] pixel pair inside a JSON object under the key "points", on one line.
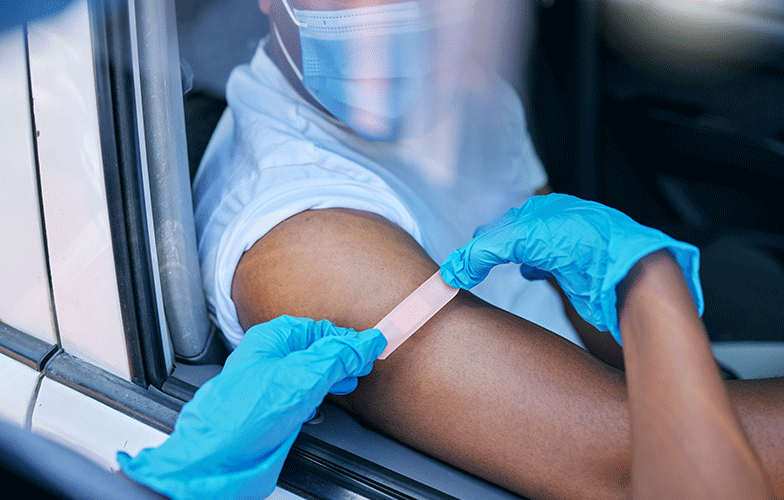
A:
{"points": [[278, 54]]}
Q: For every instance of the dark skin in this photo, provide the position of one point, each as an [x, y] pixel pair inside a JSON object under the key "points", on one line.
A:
{"points": [[352, 268], [687, 441], [477, 387]]}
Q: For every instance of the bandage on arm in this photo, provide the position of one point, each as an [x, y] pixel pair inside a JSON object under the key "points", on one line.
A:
{"points": [[415, 310]]}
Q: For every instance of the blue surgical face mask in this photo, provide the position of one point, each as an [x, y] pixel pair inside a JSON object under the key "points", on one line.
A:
{"points": [[370, 67]]}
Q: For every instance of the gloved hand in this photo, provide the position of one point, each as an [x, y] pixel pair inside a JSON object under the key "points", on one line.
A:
{"points": [[587, 247], [231, 439]]}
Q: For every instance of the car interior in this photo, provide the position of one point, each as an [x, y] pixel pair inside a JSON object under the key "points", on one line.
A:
{"points": [[685, 133], [670, 111]]}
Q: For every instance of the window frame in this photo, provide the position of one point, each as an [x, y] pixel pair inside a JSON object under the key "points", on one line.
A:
{"points": [[116, 92]]}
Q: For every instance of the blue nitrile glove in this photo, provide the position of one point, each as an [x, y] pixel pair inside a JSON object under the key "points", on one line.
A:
{"points": [[231, 439], [587, 247]]}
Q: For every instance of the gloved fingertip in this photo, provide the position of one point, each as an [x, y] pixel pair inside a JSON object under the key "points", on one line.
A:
{"points": [[454, 271], [377, 337], [364, 347], [345, 386], [123, 459], [448, 276], [128, 464], [380, 344]]}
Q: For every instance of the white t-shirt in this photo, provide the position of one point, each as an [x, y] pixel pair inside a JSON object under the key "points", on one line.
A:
{"points": [[274, 155]]}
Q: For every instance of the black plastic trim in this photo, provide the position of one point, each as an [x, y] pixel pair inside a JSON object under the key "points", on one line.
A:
{"points": [[127, 218], [316, 469], [25, 348], [214, 351], [178, 388], [587, 77], [149, 406]]}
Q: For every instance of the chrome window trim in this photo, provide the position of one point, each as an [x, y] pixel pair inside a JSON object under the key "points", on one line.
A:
{"points": [[24, 348], [128, 222], [148, 406], [168, 199], [145, 195]]}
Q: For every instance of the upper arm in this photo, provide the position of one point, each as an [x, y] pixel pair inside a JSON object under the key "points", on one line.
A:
{"points": [[475, 386], [347, 266]]}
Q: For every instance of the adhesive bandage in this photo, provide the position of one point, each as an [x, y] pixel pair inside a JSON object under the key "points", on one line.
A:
{"points": [[408, 316]]}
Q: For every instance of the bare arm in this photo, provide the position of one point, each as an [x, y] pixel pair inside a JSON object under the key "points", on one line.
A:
{"points": [[600, 344], [477, 387], [687, 441]]}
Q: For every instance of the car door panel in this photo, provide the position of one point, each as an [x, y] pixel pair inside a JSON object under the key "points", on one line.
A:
{"points": [[73, 191], [19, 392], [25, 299], [89, 426]]}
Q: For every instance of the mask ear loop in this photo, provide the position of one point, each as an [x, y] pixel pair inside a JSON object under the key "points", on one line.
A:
{"points": [[285, 51], [301, 78], [291, 14], [282, 45]]}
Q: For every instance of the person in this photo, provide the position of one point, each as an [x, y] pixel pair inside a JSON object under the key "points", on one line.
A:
{"points": [[687, 441], [278, 152], [299, 214]]}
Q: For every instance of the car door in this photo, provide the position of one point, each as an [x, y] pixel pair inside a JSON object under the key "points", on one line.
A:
{"points": [[70, 357]]}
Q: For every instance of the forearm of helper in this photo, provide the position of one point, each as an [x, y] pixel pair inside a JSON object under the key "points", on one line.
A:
{"points": [[687, 441]]}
